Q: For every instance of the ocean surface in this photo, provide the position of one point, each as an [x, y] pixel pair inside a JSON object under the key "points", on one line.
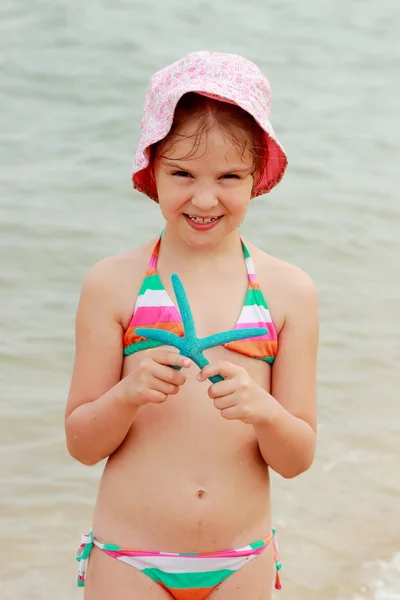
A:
{"points": [[72, 82]]}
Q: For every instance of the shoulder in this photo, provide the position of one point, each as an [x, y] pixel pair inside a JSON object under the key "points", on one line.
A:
{"points": [[290, 290], [115, 280]]}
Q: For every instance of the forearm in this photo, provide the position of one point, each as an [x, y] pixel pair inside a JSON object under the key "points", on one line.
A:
{"points": [[94, 430], [287, 443]]}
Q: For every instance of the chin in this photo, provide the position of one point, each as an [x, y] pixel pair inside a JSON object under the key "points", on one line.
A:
{"points": [[206, 239]]}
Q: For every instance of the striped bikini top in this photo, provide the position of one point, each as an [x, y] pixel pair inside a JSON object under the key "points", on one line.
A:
{"points": [[155, 309]]}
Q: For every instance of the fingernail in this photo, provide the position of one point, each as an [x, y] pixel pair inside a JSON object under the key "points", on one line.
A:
{"points": [[186, 362], [199, 377]]}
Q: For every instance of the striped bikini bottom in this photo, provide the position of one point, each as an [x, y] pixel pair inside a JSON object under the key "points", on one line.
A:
{"points": [[185, 576]]}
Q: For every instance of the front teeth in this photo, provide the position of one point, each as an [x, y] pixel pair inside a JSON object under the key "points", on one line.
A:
{"points": [[200, 220]]}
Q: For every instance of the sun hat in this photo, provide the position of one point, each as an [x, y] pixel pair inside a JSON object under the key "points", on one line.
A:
{"points": [[222, 76]]}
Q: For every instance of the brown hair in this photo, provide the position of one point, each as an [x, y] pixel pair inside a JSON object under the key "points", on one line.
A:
{"points": [[238, 126]]}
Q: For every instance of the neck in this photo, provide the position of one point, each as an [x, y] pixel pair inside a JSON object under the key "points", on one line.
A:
{"points": [[181, 252]]}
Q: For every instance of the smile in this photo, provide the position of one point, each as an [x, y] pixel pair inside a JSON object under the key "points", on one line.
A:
{"points": [[202, 220]]}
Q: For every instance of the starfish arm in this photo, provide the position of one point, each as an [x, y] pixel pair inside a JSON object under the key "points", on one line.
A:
{"points": [[233, 335], [201, 361], [159, 335], [184, 307], [216, 378]]}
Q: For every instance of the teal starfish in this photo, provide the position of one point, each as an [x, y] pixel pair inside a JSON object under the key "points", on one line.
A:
{"points": [[190, 345]]}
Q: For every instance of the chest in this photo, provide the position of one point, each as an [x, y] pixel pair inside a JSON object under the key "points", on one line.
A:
{"points": [[216, 300]]}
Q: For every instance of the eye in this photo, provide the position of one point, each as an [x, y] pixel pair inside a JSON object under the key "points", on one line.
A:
{"points": [[230, 176], [181, 174]]}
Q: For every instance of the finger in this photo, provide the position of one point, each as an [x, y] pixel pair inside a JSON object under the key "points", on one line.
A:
{"points": [[231, 413], [168, 349], [170, 357], [167, 374], [224, 402], [157, 397], [159, 385], [220, 367], [222, 388]]}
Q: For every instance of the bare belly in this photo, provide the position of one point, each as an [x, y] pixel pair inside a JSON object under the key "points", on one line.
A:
{"points": [[185, 479]]}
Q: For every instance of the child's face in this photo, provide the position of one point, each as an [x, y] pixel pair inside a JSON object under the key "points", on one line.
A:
{"points": [[203, 197]]}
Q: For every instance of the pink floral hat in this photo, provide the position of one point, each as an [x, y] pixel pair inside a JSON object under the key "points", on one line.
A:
{"points": [[225, 77]]}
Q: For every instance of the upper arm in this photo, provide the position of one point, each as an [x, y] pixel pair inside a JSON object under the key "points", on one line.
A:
{"points": [[98, 338], [294, 368]]}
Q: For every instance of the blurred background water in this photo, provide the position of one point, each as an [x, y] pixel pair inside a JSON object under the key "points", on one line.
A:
{"points": [[73, 78]]}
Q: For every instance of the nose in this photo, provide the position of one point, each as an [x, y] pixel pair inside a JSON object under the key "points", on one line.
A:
{"points": [[204, 199]]}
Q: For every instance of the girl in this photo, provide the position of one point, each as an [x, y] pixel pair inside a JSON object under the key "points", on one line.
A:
{"points": [[187, 474]]}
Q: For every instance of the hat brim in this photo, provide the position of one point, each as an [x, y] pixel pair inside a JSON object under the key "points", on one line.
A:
{"points": [[275, 159]]}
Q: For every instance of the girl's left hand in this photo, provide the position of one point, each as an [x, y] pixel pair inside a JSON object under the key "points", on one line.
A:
{"points": [[238, 397]]}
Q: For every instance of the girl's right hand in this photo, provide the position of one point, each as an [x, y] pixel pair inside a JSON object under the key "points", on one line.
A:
{"points": [[154, 378]]}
